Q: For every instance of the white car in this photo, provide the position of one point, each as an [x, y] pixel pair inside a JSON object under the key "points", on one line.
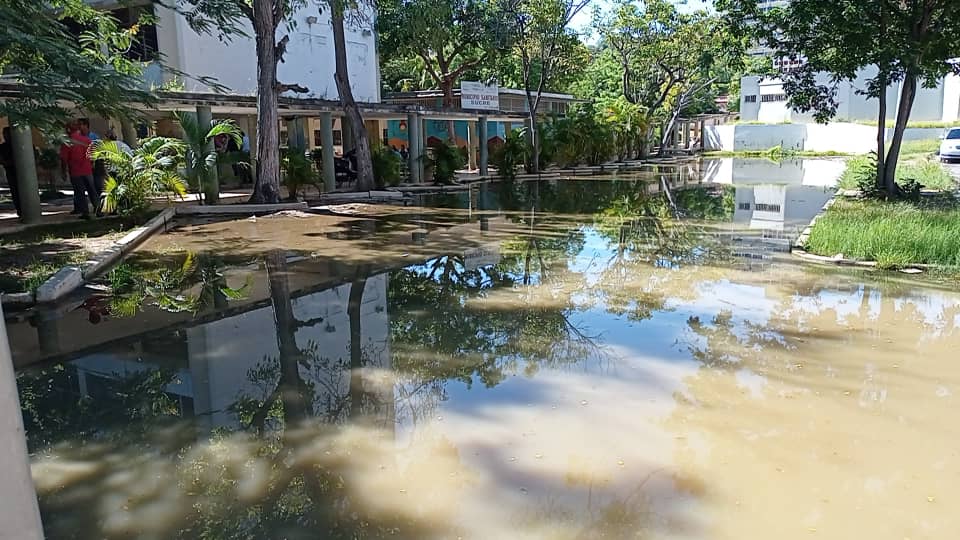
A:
{"points": [[950, 145]]}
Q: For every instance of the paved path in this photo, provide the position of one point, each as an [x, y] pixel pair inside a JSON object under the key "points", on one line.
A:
{"points": [[954, 169]]}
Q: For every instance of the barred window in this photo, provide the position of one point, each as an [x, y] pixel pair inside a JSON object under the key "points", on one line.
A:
{"points": [[761, 207], [750, 99], [768, 98]]}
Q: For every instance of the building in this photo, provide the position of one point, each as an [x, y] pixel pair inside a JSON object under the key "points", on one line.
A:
{"points": [[309, 60], [511, 100]]}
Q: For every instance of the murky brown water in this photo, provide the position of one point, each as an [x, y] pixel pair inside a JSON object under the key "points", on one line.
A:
{"points": [[530, 367]]}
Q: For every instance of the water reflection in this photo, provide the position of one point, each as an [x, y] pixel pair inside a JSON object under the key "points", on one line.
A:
{"points": [[594, 369]]}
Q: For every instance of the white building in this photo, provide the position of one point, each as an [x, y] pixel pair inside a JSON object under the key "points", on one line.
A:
{"points": [[764, 100], [309, 60]]}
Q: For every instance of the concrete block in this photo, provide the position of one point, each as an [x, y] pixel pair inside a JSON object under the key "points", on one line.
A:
{"points": [[64, 282], [23, 299], [227, 209]]}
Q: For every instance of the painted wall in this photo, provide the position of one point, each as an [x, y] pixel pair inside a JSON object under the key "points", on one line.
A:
{"points": [[835, 137], [309, 60], [437, 129]]}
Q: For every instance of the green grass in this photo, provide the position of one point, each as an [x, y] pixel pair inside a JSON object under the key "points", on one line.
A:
{"points": [[916, 163], [923, 147], [892, 234], [912, 124], [775, 153]]}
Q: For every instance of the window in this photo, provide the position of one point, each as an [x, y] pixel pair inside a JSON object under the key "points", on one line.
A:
{"points": [[317, 139], [762, 207], [770, 98], [337, 137], [953, 135], [744, 206], [750, 99]]}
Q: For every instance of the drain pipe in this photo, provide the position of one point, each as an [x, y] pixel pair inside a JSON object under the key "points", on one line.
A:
{"points": [[19, 513]]}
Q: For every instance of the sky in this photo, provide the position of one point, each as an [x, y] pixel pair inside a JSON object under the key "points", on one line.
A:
{"points": [[583, 19]]}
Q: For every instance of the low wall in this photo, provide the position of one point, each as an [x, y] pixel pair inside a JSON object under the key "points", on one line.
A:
{"points": [[833, 137]]}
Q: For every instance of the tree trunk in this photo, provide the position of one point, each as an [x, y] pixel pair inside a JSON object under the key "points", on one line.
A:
{"points": [[266, 188], [881, 127], [448, 104], [293, 392], [354, 303], [907, 95], [667, 131], [534, 142], [361, 140]]}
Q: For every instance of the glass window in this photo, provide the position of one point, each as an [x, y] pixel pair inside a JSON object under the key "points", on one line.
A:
{"points": [[954, 134]]}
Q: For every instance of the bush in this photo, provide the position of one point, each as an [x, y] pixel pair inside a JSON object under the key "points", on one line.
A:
{"points": [[444, 160], [298, 172], [511, 154], [134, 178], [386, 166]]}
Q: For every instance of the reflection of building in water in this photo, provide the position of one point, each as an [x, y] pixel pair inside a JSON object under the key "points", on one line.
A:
{"points": [[222, 361]]}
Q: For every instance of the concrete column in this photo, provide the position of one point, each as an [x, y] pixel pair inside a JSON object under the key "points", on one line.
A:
{"points": [[483, 137], [472, 145], [19, 513], [297, 133], [346, 132], [129, 133], [211, 184], [326, 142], [701, 133], [27, 186], [415, 151]]}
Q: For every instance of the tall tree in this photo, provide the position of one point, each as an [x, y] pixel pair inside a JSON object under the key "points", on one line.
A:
{"points": [[228, 19], [911, 42], [56, 68], [539, 33], [449, 37], [358, 14]]}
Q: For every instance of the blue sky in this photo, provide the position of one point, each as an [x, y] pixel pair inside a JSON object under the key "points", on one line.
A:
{"points": [[582, 21]]}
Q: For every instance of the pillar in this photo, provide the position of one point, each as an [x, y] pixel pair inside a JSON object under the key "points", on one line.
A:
{"points": [[346, 134], [297, 133], [27, 187], [128, 131], [484, 138], [702, 132], [211, 184], [415, 149], [472, 146], [326, 142], [19, 513]]}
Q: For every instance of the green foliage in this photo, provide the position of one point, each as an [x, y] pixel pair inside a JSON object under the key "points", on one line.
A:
{"points": [[445, 160], [892, 234], [585, 135], [510, 155], [861, 174], [202, 157], [55, 68], [386, 166], [135, 178], [298, 172]]}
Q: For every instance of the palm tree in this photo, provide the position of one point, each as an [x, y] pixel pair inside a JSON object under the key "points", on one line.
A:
{"points": [[202, 157], [135, 177]]}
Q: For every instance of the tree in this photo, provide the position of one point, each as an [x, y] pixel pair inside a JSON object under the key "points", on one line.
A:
{"points": [[202, 157], [449, 37], [227, 19], [339, 9], [911, 42], [57, 69], [135, 177], [539, 35]]}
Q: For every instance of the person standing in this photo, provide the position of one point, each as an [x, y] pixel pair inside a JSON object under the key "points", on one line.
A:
{"points": [[75, 160], [10, 167], [99, 166]]}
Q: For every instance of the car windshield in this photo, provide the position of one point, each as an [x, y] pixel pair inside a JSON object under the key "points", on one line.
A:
{"points": [[953, 134]]}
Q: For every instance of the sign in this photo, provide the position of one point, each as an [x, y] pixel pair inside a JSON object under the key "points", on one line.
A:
{"points": [[481, 256], [476, 95]]}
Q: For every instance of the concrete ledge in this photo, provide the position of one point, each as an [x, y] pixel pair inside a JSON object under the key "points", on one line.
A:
{"points": [[17, 300], [64, 282], [801, 241], [108, 257], [228, 209]]}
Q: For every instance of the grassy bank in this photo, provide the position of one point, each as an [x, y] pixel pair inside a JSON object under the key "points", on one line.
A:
{"points": [[892, 234], [776, 153], [918, 162], [29, 258]]}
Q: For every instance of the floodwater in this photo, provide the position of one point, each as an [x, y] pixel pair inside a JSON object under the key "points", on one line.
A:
{"points": [[551, 360]]}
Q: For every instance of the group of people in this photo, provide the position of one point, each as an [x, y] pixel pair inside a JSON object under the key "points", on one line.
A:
{"points": [[87, 176]]}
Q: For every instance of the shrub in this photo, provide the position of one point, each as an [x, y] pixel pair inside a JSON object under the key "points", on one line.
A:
{"points": [[509, 155], [134, 178], [386, 166], [444, 160], [298, 171]]}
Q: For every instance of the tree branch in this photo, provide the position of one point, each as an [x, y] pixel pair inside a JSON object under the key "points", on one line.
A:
{"points": [[281, 48], [281, 88]]}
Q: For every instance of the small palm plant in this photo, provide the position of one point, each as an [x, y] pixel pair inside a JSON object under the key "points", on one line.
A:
{"points": [[135, 177], [202, 156]]}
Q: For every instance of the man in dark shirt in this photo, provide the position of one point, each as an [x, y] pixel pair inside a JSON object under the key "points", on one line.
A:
{"points": [[10, 167]]}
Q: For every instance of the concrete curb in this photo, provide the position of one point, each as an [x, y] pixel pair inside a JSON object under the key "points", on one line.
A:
{"points": [[801, 242], [71, 278]]}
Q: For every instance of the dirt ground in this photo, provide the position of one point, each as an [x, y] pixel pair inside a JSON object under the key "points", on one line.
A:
{"points": [[28, 258]]}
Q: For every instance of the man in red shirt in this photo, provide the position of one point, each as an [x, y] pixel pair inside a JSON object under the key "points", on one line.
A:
{"points": [[75, 159]]}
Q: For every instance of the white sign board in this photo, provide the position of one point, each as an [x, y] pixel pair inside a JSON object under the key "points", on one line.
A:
{"points": [[481, 256], [476, 95]]}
